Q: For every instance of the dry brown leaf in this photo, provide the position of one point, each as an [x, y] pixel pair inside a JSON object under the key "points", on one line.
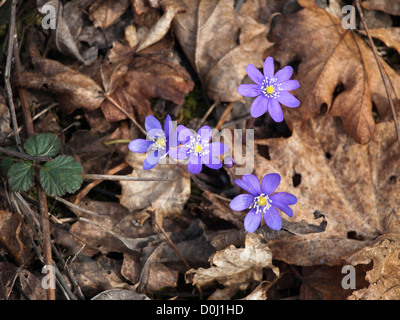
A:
{"points": [[391, 7], [390, 36], [343, 76], [132, 84], [219, 58], [69, 23], [109, 228], [30, 283], [5, 129], [119, 294], [150, 75], [96, 275], [160, 29], [355, 186], [384, 278], [167, 197], [74, 89], [234, 268], [13, 238], [325, 283], [104, 13]]}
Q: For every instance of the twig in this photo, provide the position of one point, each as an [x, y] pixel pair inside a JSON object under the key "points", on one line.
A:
{"points": [[115, 104], [169, 239], [24, 156], [206, 115], [74, 206], [380, 70], [91, 185], [47, 253], [87, 176], [7, 73], [224, 115], [23, 96]]}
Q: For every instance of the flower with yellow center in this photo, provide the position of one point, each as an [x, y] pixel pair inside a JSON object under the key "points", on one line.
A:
{"points": [[261, 201]]}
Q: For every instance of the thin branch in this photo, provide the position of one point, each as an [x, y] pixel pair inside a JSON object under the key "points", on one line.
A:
{"points": [[46, 234], [87, 176], [23, 96], [115, 104], [380, 70], [91, 185], [206, 115], [7, 73], [24, 156], [169, 240], [224, 115]]}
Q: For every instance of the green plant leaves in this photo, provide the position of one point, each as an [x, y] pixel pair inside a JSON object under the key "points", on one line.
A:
{"points": [[43, 144], [20, 175], [61, 175], [57, 176]]}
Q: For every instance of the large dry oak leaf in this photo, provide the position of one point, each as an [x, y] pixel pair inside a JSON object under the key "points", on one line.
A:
{"points": [[338, 76]]}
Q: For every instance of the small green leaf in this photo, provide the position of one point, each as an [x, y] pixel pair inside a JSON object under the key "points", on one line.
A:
{"points": [[20, 176], [43, 144], [61, 175], [5, 165]]}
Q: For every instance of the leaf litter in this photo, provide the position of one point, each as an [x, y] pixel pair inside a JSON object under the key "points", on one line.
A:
{"points": [[109, 64]]}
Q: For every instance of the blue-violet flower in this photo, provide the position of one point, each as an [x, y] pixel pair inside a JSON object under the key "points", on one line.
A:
{"points": [[158, 145], [262, 202], [198, 149], [270, 89]]}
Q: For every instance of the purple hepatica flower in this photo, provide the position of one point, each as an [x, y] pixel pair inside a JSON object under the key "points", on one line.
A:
{"points": [[270, 90], [261, 200], [198, 149], [158, 145]]}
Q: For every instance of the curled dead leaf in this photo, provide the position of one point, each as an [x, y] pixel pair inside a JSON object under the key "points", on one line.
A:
{"points": [[235, 267]]}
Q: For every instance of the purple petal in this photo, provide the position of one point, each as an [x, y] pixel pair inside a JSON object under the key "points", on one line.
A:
{"points": [[140, 145], [168, 127], [211, 162], [288, 99], [289, 85], [252, 220], [284, 198], [218, 148], [259, 106], [245, 186], [172, 140], [151, 160], [284, 74], [180, 153], [241, 202], [194, 165], [273, 219], [252, 181], [269, 67], [229, 162], [254, 74], [270, 182], [205, 133], [283, 208], [275, 110], [152, 123], [184, 134], [249, 90]]}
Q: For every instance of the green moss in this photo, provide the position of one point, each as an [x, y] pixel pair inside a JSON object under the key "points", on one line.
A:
{"points": [[195, 105]]}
